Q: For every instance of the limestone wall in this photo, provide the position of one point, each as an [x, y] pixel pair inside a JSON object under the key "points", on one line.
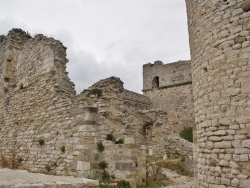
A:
{"points": [[45, 127], [136, 99], [168, 74], [178, 102], [219, 42], [174, 93]]}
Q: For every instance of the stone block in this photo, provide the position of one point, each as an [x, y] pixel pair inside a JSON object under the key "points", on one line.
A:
{"points": [[246, 143], [82, 166], [223, 144], [129, 140]]}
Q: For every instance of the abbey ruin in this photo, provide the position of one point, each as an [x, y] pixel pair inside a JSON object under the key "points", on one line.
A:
{"points": [[45, 126]]}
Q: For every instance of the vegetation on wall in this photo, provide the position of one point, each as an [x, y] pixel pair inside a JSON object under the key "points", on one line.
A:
{"points": [[62, 149], [123, 184], [111, 137], [100, 147], [187, 133], [41, 141]]}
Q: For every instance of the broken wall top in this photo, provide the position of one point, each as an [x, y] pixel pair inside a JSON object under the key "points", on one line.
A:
{"points": [[24, 59], [160, 75]]}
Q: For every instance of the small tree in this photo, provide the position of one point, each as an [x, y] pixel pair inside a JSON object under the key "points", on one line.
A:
{"points": [[187, 133]]}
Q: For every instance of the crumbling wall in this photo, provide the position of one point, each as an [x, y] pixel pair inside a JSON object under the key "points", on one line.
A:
{"points": [[172, 74], [174, 93], [46, 128], [219, 42]]}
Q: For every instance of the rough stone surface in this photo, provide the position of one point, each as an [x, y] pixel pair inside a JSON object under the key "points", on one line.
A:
{"points": [[169, 87], [45, 127], [22, 178], [219, 36]]}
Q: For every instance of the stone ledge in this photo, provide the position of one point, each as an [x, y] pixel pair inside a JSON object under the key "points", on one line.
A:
{"points": [[22, 179]]}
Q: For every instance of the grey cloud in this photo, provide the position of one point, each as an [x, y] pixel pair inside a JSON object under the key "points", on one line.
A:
{"points": [[105, 38]]}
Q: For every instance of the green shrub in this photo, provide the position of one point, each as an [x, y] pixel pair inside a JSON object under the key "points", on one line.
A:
{"points": [[41, 141], [187, 133], [120, 141], [100, 147], [105, 177], [48, 167], [62, 149], [110, 137], [123, 184], [102, 165]]}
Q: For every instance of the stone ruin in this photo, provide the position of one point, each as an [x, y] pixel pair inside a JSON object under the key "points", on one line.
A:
{"points": [[169, 87], [45, 127], [39, 105], [219, 35]]}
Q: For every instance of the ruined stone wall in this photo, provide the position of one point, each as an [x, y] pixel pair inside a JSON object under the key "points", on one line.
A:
{"points": [[162, 142], [136, 99], [174, 91], [45, 127], [172, 74], [220, 46]]}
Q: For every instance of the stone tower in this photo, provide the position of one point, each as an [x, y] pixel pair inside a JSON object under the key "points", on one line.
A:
{"points": [[169, 87], [219, 32]]}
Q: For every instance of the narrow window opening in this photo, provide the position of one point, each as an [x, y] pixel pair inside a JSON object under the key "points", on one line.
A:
{"points": [[155, 82]]}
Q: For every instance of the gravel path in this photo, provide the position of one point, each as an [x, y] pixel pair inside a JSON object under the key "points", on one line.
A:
{"points": [[22, 178]]}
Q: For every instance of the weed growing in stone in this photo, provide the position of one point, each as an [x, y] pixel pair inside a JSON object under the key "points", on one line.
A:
{"points": [[187, 133], [102, 165], [120, 141], [41, 141], [123, 184], [110, 137], [62, 149], [47, 167], [105, 177], [100, 147]]}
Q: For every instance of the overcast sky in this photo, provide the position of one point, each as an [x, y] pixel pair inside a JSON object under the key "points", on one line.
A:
{"points": [[105, 37]]}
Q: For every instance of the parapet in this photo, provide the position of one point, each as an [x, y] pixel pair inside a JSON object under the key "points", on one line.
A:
{"points": [[160, 75]]}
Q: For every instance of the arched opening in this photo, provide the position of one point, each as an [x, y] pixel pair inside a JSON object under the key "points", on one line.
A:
{"points": [[155, 82]]}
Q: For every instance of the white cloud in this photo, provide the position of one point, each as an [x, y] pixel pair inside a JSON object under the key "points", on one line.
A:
{"points": [[105, 38]]}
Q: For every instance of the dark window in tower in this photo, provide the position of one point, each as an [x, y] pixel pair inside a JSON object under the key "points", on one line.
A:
{"points": [[155, 82]]}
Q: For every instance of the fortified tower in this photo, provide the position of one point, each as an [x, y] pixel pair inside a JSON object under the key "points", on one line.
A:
{"points": [[219, 32], [169, 87]]}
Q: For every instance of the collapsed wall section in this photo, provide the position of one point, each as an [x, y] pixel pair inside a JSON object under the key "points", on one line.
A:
{"points": [[220, 46], [46, 128]]}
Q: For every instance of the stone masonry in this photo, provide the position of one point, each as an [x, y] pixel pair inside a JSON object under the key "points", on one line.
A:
{"points": [[45, 127], [219, 32], [169, 87]]}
